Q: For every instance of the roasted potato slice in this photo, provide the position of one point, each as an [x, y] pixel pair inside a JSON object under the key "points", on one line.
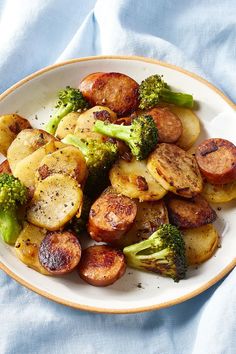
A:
{"points": [[68, 160], [27, 246], [56, 200], [192, 150], [101, 265], [201, 243], [190, 213], [67, 125], [220, 193], [190, 125], [175, 170], [87, 119], [133, 180], [26, 142], [59, 252], [150, 216], [25, 169], [10, 126], [59, 145]]}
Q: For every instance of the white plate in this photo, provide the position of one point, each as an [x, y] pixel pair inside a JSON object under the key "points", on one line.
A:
{"points": [[34, 98]]}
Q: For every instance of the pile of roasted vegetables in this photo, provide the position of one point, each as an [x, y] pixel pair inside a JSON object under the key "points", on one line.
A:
{"points": [[115, 162]]}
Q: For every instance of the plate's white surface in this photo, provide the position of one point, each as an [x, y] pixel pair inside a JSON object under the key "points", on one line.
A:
{"points": [[34, 99]]}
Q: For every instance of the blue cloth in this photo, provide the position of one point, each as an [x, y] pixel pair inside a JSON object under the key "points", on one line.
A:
{"points": [[197, 35]]}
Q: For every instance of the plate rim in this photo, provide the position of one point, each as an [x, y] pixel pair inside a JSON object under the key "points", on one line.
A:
{"points": [[75, 305]]}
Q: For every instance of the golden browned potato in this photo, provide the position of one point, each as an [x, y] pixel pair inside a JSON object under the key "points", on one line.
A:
{"points": [[26, 142], [115, 90], [190, 213], [111, 215], [27, 246], [150, 216], [201, 243], [10, 126], [59, 252], [86, 121], [190, 125], [68, 160], [56, 200], [175, 170], [192, 150], [67, 125], [134, 180], [101, 265], [220, 193], [25, 169], [59, 145]]}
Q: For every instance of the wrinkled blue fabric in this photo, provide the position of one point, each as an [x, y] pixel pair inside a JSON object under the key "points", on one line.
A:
{"points": [[197, 35]]}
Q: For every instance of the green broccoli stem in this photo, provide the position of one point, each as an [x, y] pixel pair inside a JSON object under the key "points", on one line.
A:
{"points": [[61, 112], [9, 225], [122, 132], [77, 142], [177, 98], [137, 262], [145, 247]]}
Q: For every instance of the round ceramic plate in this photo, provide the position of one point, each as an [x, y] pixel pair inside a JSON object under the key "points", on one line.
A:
{"points": [[34, 98]]}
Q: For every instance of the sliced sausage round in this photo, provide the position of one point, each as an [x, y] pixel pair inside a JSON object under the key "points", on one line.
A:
{"points": [[124, 121], [216, 159], [168, 124], [5, 167], [111, 215], [191, 213], [59, 252], [114, 90], [101, 265]]}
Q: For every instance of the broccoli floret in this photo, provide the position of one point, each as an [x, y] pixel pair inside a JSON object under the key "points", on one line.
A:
{"points": [[154, 90], [99, 158], [141, 136], [12, 194], [78, 225], [69, 100], [163, 253]]}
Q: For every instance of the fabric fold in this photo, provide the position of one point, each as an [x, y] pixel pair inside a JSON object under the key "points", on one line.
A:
{"points": [[196, 35]]}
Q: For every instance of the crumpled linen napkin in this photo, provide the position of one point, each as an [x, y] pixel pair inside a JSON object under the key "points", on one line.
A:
{"points": [[197, 35]]}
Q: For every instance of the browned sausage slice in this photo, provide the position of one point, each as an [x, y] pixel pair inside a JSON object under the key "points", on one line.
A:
{"points": [[168, 124], [59, 252], [191, 213], [217, 160], [101, 265], [5, 168], [111, 215], [115, 90]]}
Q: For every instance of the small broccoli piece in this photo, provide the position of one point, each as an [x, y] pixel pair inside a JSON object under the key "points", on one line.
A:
{"points": [[154, 90], [99, 158], [78, 225], [12, 194], [141, 136], [69, 100], [163, 253]]}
